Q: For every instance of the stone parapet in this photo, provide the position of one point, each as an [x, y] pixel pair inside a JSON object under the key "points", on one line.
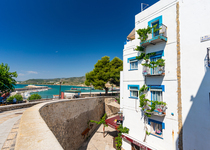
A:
{"points": [[59, 124]]}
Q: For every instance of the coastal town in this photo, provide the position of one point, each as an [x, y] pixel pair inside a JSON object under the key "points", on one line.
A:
{"points": [[152, 94]]}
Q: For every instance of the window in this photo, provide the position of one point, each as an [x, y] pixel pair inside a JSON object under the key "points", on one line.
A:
{"points": [[156, 95], [134, 92], [156, 21], [156, 69], [135, 147], [153, 24], [133, 64], [156, 128]]}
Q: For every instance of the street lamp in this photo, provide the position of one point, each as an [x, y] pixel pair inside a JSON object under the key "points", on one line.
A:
{"points": [[120, 114]]}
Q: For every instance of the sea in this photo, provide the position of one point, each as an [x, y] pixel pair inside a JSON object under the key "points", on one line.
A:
{"points": [[55, 89]]}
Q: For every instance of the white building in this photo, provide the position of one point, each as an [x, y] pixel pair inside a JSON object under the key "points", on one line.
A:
{"points": [[184, 82]]}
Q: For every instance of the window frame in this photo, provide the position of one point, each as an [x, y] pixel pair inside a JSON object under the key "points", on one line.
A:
{"points": [[135, 61], [152, 123], [159, 54], [159, 19], [152, 95], [130, 91]]}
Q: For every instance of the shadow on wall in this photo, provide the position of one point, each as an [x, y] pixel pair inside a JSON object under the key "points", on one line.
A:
{"points": [[196, 126], [69, 119]]}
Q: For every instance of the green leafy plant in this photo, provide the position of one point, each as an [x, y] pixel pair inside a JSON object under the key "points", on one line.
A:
{"points": [[160, 62], [140, 48], [103, 71], [7, 81], [118, 99], [141, 56], [118, 139], [34, 97], [148, 133], [155, 29], [144, 102], [102, 121], [18, 97], [143, 89], [143, 33]]}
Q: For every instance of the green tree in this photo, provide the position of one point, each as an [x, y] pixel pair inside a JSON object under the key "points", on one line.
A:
{"points": [[116, 65], [103, 72], [34, 97], [7, 81], [17, 96]]}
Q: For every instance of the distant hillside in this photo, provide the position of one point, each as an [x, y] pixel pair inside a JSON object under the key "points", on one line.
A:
{"points": [[65, 81]]}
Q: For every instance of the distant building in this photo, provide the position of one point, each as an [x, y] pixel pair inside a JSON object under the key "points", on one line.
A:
{"points": [[183, 83]]}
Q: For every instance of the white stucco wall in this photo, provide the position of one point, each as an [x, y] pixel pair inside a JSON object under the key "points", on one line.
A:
{"points": [[195, 75], [132, 112]]}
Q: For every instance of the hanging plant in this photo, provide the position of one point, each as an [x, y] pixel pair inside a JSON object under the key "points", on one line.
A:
{"points": [[118, 139], [143, 33], [155, 29], [160, 62], [140, 56], [140, 48], [144, 102]]}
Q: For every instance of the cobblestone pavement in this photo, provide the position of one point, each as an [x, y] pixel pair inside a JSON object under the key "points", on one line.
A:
{"points": [[98, 142], [9, 124]]}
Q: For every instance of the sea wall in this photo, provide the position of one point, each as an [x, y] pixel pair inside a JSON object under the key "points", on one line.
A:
{"points": [[60, 124]]}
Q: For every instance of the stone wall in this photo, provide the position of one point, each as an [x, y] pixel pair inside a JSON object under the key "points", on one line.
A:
{"points": [[60, 124], [68, 119]]}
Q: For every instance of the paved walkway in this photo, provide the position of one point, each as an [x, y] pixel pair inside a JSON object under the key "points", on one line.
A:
{"points": [[9, 121], [98, 142]]}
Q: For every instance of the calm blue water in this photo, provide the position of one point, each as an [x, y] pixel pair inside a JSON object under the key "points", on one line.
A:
{"points": [[55, 89]]}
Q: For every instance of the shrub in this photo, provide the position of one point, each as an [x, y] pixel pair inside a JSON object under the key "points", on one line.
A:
{"points": [[17, 96], [34, 97]]}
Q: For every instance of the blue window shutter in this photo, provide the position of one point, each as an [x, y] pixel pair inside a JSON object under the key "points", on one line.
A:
{"points": [[163, 88], [149, 122], [163, 125]]}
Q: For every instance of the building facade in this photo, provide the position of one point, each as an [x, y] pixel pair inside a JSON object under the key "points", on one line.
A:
{"points": [[182, 82]]}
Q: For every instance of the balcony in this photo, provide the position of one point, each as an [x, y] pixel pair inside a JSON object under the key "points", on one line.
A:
{"points": [[160, 110], [156, 37], [157, 71]]}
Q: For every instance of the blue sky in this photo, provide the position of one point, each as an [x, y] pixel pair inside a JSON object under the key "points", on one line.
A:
{"points": [[63, 38]]}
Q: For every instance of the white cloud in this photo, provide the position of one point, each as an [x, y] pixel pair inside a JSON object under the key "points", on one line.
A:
{"points": [[21, 74], [32, 72]]}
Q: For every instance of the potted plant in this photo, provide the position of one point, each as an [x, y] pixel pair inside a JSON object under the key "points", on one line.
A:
{"points": [[157, 131], [161, 63], [160, 71], [159, 111], [145, 72]]}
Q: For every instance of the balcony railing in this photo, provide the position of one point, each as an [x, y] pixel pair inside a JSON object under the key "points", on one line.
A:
{"points": [[156, 37], [157, 71], [160, 110]]}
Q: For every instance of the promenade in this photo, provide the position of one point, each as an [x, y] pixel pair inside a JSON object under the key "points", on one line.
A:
{"points": [[9, 121]]}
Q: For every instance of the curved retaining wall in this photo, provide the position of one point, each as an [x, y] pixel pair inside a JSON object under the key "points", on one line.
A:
{"points": [[59, 124]]}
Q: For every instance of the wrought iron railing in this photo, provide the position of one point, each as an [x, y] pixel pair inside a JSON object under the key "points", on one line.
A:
{"points": [[153, 71], [161, 32]]}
